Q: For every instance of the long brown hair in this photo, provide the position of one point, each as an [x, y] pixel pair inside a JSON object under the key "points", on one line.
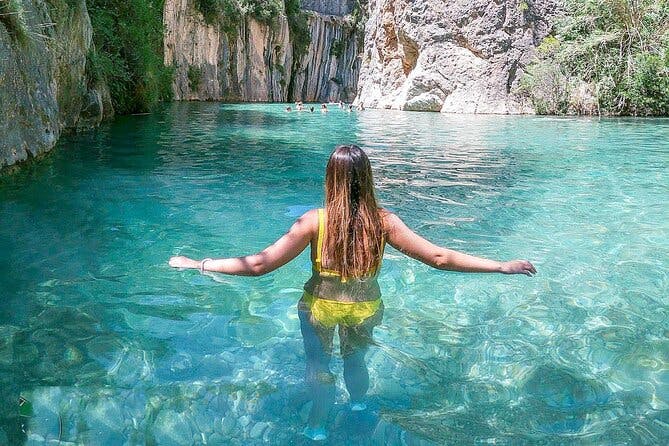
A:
{"points": [[353, 242]]}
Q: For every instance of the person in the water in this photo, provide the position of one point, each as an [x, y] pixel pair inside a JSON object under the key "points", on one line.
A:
{"points": [[347, 239]]}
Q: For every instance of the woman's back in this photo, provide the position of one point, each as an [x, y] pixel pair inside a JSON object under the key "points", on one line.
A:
{"points": [[329, 283]]}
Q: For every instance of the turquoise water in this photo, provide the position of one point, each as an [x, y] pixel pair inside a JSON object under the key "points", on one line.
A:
{"points": [[108, 345]]}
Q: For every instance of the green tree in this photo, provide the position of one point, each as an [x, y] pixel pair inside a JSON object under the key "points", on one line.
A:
{"points": [[616, 50], [128, 55]]}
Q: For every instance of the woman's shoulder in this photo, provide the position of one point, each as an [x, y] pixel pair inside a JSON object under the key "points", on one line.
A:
{"points": [[388, 218], [383, 212], [310, 218], [311, 214]]}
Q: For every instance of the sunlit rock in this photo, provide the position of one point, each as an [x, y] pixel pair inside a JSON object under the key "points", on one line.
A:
{"points": [[450, 56], [171, 428]]}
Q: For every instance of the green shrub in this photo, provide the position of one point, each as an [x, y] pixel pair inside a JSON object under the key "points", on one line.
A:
{"points": [[264, 11], [128, 55], [12, 16], [229, 14], [298, 23], [337, 48], [359, 20], [210, 10], [648, 89], [547, 84], [194, 77], [618, 48]]}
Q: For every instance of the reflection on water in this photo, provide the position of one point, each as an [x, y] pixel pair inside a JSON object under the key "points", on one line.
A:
{"points": [[107, 345]]}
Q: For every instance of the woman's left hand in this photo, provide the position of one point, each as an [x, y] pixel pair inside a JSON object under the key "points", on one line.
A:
{"points": [[182, 262]]}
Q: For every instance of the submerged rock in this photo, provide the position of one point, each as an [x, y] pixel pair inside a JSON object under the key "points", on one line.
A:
{"points": [[172, 428]]}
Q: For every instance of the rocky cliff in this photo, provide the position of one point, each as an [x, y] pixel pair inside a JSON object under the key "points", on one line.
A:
{"points": [[43, 83], [329, 7], [257, 61], [459, 56]]}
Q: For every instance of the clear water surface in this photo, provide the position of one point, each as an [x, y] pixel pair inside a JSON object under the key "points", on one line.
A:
{"points": [[102, 343]]}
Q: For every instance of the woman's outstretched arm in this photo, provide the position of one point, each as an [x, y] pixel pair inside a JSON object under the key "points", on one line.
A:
{"points": [[274, 256], [405, 240]]}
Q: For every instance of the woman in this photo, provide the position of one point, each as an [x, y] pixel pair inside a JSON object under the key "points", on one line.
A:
{"points": [[347, 240]]}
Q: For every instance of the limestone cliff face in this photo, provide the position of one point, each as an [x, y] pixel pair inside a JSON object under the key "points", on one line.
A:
{"points": [[256, 61], [330, 69], [251, 64], [459, 56], [329, 7], [43, 85]]}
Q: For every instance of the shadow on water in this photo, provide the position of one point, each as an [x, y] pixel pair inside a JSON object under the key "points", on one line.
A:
{"points": [[454, 408], [558, 401]]}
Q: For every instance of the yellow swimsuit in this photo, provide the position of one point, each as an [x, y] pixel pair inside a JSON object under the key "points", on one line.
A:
{"points": [[333, 299]]}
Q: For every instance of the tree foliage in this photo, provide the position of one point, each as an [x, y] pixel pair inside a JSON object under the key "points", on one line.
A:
{"points": [[12, 16], [228, 14], [298, 22], [605, 56], [128, 53]]}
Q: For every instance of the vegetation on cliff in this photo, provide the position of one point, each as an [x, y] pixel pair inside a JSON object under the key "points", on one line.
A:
{"points": [[12, 16], [298, 22], [605, 57], [128, 55], [228, 14]]}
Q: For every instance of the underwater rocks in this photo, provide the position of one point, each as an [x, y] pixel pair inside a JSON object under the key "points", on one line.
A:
{"points": [[258, 397], [189, 414]]}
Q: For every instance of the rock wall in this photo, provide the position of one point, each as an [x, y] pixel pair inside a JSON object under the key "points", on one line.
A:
{"points": [[458, 56], [256, 62], [330, 69], [43, 84], [252, 64], [329, 7]]}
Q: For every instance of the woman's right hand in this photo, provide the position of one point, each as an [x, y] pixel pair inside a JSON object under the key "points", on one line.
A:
{"points": [[518, 267]]}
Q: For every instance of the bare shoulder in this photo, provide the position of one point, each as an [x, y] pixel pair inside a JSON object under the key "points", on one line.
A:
{"points": [[308, 221], [310, 215], [389, 219]]}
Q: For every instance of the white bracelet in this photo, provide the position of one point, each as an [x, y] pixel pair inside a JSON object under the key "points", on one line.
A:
{"points": [[202, 264]]}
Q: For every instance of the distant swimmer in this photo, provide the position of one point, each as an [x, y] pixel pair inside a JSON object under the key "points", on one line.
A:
{"points": [[324, 108], [311, 109], [288, 109], [341, 105]]}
